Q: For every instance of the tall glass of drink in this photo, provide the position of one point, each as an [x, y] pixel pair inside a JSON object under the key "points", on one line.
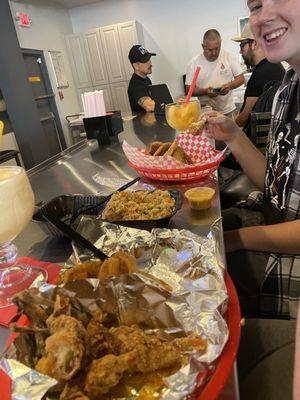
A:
{"points": [[181, 115], [16, 209]]}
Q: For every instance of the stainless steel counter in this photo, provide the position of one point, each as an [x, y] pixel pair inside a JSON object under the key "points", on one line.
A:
{"points": [[74, 171]]}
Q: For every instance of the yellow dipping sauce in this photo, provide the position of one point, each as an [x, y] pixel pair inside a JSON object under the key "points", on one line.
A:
{"points": [[200, 197]]}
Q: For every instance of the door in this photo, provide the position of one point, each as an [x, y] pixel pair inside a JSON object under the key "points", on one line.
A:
{"points": [[95, 57], [45, 100], [113, 53]]}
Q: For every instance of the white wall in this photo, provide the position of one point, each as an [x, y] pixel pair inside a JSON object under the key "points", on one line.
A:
{"points": [[172, 28], [49, 25]]}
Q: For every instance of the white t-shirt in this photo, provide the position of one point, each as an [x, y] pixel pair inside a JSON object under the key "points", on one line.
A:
{"points": [[215, 74]]}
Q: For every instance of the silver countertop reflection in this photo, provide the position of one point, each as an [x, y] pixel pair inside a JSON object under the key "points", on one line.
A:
{"points": [[72, 172]]}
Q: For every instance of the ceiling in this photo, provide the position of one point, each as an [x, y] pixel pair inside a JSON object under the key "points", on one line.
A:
{"points": [[64, 3]]}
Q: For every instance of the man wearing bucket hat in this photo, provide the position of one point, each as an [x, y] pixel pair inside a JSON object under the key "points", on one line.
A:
{"points": [[138, 92], [263, 72]]}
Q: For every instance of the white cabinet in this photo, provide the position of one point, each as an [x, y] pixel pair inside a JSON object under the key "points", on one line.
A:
{"points": [[120, 97], [99, 60], [95, 56], [77, 56], [113, 53], [130, 33]]}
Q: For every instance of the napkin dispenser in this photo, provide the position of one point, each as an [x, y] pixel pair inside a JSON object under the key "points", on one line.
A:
{"points": [[103, 128]]}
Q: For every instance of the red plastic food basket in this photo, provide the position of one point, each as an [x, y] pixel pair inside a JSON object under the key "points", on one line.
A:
{"points": [[181, 174], [224, 364]]}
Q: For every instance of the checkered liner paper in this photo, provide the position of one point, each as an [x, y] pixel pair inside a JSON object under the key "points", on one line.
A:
{"points": [[197, 147]]}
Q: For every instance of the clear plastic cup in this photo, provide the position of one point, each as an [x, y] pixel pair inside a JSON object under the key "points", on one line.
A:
{"points": [[200, 198]]}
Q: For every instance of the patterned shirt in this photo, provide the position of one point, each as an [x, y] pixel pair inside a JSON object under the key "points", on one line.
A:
{"points": [[281, 286]]}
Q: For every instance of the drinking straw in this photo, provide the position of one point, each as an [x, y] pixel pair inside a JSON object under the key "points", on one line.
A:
{"points": [[193, 84], [1, 131]]}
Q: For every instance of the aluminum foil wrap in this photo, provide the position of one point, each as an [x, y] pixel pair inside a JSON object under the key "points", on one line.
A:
{"points": [[192, 300]]}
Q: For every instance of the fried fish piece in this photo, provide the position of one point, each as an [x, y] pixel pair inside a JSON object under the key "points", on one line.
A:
{"points": [[171, 149], [153, 147], [162, 149], [180, 155]]}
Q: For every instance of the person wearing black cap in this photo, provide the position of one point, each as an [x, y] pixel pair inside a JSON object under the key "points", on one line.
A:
{"points": [[138, 92]]}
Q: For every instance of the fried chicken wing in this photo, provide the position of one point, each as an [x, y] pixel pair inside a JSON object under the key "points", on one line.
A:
{"points": [[106, 373], [153, 352], [65, 352], [95, 339], [67, 323], [64, 347]]}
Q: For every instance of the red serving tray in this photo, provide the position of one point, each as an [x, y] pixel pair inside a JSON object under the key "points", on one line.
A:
{"points": [[224, 366]]}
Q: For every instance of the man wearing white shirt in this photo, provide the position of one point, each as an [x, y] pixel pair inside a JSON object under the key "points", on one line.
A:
{"points": [[220, 72]]}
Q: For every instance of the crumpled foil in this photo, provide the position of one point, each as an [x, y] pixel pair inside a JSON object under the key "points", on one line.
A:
{"points": [[187, 263], [26, 383]]}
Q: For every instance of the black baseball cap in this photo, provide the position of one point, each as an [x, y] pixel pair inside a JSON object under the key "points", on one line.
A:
{"points": [[138, 53]]}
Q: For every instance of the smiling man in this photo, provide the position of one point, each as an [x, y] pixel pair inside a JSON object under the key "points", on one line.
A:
{"points": [[220, 72], [138, 92]]}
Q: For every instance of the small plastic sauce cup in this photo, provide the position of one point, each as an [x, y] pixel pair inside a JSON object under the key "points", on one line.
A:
{"points": [[200, 197]]}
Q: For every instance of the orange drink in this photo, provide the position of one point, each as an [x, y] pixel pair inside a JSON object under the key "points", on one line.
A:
{"points": [[181, 115]]}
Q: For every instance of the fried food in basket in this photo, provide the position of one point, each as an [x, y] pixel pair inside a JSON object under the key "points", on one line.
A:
{"points": [[64, 348], [170, 149], [135, 351], [139, 205], [96, 361]]}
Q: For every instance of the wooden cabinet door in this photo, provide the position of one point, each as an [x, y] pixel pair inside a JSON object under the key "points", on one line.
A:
{"points": [[78, 62], [109, 106], [129, 35], [120, 97], [113, 53], [95, 56]]}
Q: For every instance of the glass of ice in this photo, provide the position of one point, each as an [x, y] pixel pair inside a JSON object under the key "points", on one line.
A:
{"points": [[16, 209]]}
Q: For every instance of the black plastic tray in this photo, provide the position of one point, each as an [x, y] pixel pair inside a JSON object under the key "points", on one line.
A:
{"points": [[63, 207]]}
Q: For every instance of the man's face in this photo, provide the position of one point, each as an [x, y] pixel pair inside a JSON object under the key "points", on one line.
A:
{"points": [[247, 52], [275, 24], [211, 49], [144, 68]]}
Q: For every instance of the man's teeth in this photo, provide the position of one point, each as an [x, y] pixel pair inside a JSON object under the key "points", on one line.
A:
{"points": [[276, 34]]}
